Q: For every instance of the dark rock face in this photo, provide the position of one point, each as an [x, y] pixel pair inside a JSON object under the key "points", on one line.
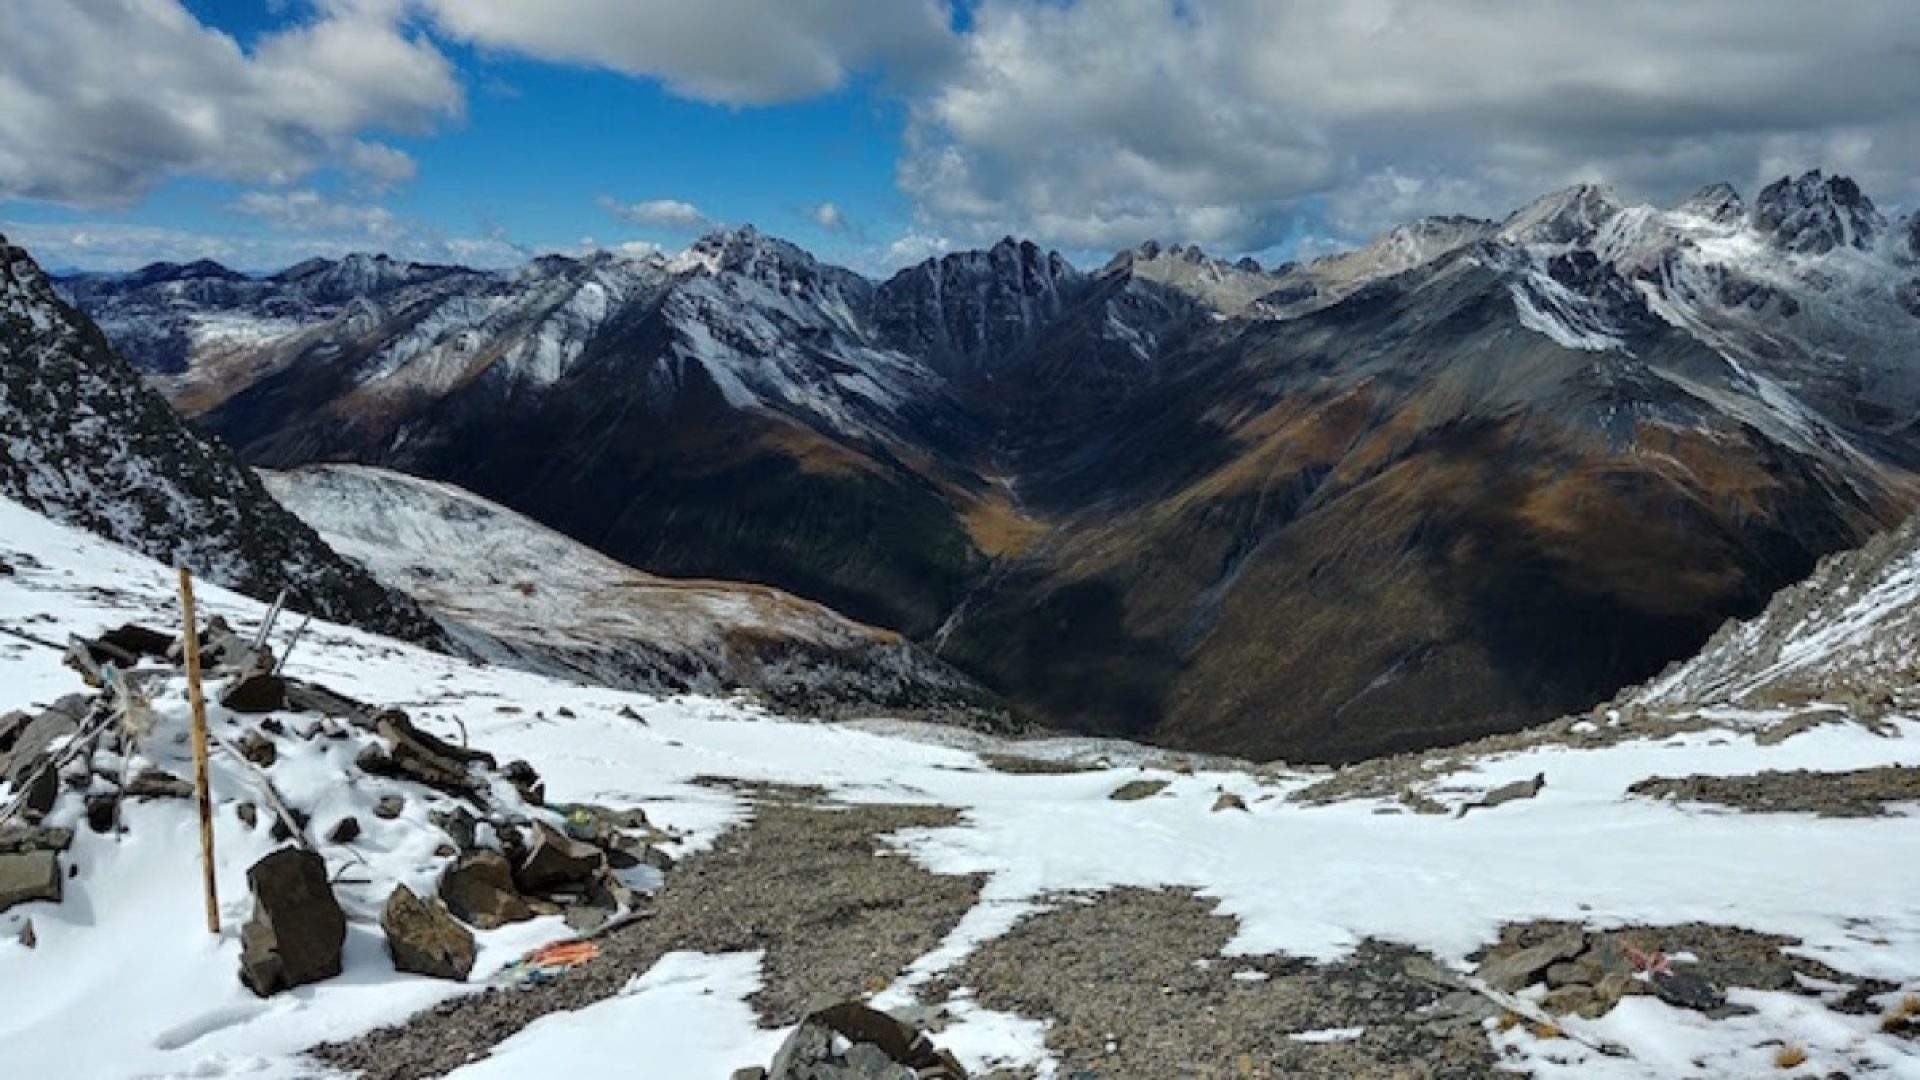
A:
{"points": [[424, 939], [1816, 214], [79, 424], [297, 930], [970, 313]]}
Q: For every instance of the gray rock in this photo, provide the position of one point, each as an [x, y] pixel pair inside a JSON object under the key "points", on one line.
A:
{"points": [[1687, 991], [29, 876], [1229, 801], [389, 807], [1506, 793], [1135, 790], [556, 861], [460, 826], [297, 930], [1518, 968], [344, 831], [257, 748], [479, 888], [16, 839], [881, 1048], [159, 784], [424, 938]]}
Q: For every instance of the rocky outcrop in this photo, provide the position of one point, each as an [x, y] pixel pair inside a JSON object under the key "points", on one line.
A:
{"points": [[1815, 214], [297, 931]]}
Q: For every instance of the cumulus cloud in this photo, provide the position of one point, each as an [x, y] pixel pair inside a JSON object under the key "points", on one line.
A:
{"points": [[100, 99], [658, 213], [735, 52], [1230, 121]]}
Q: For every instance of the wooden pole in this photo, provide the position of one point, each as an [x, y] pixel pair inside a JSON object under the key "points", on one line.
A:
{"points": [[203, 793]]}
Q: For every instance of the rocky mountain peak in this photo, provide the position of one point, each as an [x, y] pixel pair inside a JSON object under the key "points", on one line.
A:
{"points": [[1572, 215], [1815, 214], [1716, 202]]}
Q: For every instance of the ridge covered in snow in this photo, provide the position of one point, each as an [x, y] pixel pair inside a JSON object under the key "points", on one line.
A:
{"points": [[522, 594]]}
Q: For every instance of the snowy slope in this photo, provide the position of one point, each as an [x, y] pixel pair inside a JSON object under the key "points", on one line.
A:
{"points": [[517, 592], [124, 983], [1852, 630]]}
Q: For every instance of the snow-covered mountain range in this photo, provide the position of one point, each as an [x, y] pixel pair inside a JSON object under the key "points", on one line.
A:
{"points": [[1494, 469]]}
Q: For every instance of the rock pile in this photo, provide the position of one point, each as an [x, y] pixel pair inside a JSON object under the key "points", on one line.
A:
{"points": [[507, 856], [853, 1042]]}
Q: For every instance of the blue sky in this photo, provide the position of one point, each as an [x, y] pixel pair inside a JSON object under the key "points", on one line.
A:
{"points": [[878, 132]]}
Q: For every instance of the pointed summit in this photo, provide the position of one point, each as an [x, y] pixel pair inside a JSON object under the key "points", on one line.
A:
{"points": [[1816, 213], [1716, 202], [1564, 217]]}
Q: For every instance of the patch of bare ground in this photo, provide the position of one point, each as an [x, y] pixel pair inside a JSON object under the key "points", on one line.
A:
{"points": [[1136, 986], [1856, 793]]}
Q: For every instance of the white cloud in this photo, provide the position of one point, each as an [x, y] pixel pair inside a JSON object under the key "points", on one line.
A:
{"points": [[914, 247], [829, 217], [1230, 121], [658, 213], [304, 210], [100, 99], [736, 52]]}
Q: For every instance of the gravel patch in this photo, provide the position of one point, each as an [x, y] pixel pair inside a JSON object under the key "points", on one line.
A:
{"points": [[1137, 987]]}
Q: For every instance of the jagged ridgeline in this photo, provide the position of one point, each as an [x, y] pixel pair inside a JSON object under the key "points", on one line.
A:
{"points": [[87, 442], [1470, 477]]}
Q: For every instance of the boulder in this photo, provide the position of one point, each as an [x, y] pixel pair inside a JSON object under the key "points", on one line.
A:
{"points": [[556, 861], [1229, 801], [1135, 790], [424, 938], [297, 930], [478, 888], [389, 807], [139, 641], [29, 876], [877, 1047], [526, 781], [256, 693], [344, 831]]}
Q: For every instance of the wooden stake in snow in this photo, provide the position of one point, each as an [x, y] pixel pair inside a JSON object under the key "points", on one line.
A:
{"points": [[203, 794]]}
